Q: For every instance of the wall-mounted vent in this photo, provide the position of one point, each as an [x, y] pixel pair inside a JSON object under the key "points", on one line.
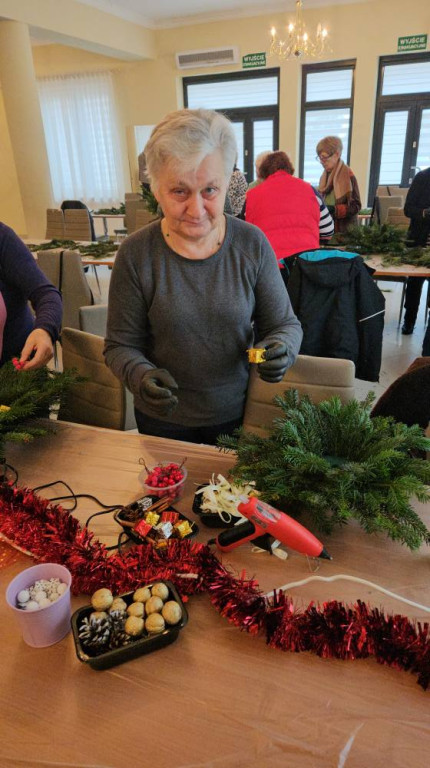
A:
{"points": [[211, 57]]}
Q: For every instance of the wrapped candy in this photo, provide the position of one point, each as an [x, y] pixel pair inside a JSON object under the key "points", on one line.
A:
{"points": [[163, 530], [256, 355], [169, 516], [152, 518], [182, 529], [142, 528]]}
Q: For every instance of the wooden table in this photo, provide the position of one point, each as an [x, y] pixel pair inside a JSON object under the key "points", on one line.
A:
{"points": [[216, 698], [395, 271]]}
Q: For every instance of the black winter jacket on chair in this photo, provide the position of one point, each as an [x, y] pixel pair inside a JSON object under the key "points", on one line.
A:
{"points": [[340, 307]]}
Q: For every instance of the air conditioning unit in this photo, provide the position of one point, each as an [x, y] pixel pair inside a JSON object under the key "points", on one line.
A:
{"points": [[210, 57]]}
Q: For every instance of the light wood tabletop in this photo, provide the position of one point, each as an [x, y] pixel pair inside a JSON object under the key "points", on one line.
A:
{"points": [[216, 698], [394, 271]]}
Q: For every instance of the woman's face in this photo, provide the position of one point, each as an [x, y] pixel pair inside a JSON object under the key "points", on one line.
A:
{"points": [[193, 199], [328, 160]]}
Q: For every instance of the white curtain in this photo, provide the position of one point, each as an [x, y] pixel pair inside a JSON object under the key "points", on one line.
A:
{"points": [[82, 138]]}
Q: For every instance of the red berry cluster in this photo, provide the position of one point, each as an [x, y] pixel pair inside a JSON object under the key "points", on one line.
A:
{"points": [[18, 365], [164, 478]]}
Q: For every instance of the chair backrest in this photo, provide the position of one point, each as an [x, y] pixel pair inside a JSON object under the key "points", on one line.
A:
{"points": [[383, 203], [397, 218], [318, 377], [54, 224], [93, 319], [101, 400], [392, 190], [77, 224], [143, 217], [132, 205], [67, 274], [80, 206]]}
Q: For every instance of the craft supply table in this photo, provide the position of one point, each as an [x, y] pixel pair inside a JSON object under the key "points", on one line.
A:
{"points": [[216, 697], [395, 271]]}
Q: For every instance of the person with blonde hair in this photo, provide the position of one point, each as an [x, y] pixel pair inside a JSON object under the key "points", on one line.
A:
{"points": [[190, 293], [338, 185]]}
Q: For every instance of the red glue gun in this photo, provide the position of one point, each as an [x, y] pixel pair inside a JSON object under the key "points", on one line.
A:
{"points": [[264, 519]]}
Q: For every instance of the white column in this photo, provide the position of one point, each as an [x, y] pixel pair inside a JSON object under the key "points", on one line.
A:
{"points": [[18, 82]]}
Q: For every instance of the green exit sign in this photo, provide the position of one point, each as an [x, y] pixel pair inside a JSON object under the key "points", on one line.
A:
{"points": [[254, 60], [412, 43]]}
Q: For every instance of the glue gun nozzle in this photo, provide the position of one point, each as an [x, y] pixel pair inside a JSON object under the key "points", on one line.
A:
{"points": [[325, 555]]}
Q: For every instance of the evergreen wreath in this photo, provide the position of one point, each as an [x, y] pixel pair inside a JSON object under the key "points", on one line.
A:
{"points": [[26, 396], [338, 463]]}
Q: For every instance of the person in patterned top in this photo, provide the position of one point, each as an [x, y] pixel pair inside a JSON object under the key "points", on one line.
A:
{"points": [[237, 190]]}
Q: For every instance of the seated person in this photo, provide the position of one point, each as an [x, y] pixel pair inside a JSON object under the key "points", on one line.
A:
{"points": [[30, 338], [287, 209]]}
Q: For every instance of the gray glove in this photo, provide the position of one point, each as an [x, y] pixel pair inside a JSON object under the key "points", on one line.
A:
{"points": [[276, 362], [426, 213], [156, 390]]}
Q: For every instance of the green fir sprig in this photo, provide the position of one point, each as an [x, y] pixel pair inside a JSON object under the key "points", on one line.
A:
{"points": [[26, 397], [385, 240], [149, 199], [338, 463]]}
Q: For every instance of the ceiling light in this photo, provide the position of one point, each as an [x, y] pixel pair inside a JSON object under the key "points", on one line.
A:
{"points": [[298, 43]]}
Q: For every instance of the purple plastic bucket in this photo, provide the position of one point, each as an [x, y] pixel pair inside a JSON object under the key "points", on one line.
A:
{"points": [[47, 625]]}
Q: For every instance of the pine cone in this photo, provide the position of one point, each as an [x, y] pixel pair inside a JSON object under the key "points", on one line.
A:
{"points": [[95, 634], [118, 637]]}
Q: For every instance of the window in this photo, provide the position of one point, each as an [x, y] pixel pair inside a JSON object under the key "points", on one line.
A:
{"points": [[327, 100], [401, 138], [250, 100], [141, 136], [82, 138]]}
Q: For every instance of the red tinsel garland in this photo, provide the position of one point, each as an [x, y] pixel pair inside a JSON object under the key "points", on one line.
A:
{"points": [[334, 630]]}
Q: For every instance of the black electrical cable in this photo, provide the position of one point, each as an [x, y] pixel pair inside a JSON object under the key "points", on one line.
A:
{"points": [[75, 496], [5, 480]]}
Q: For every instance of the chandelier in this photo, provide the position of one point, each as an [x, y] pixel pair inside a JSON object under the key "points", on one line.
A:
{"points": [[298, 43]]}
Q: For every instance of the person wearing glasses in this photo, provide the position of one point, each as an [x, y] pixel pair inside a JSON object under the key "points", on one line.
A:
{"points": [[338, 185]]}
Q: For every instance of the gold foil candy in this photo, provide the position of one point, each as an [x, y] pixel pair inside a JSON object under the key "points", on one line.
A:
{"points": [[256, 355], [152, 518], [183, 528]]}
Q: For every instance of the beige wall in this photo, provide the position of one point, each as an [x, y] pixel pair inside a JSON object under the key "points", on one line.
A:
{"points": [[148, 89]]}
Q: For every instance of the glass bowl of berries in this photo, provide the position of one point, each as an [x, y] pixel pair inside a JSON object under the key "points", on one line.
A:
{"points": [[167, 478]]}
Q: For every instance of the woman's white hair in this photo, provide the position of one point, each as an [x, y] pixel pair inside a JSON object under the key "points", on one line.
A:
{"points": [[188, 136]]}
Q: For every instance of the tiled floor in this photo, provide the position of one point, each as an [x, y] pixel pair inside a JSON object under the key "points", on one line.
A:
{"points": [[398, 351]]}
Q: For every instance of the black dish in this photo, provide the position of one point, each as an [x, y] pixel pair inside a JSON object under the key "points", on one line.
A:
{"points": [[120, 516], [144, 644], [210, 519]]}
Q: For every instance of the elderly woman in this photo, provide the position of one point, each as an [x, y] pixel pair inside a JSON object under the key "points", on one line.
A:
{"points": [[338, 185], [189, 292], [30, 338], [288, 210]]}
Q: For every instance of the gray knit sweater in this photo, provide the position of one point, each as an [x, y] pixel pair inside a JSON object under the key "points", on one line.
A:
{"points": [[195, 318]]}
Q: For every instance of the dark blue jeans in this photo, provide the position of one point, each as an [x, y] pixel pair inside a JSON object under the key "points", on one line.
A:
{"points": [[149, 426]]}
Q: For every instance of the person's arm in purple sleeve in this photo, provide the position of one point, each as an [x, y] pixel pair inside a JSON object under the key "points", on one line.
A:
{"points": [[20, 272]]}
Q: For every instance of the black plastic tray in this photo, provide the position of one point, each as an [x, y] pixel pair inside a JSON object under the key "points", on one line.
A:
{"points": [[144, 644], [119, 517], [210, 519]]}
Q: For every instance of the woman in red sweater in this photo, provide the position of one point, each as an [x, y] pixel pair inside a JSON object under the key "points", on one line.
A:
{"points": [[287, 209]]}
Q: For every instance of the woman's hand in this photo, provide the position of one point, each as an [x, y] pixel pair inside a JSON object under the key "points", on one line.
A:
{"points": [[157, 389], [40, 343]]}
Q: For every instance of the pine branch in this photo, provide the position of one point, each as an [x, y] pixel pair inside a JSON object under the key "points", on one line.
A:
{"points": [[338, 463]]}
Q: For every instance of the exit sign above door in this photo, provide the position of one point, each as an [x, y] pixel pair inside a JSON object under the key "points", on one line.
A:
{"points": [[412, 43]]}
